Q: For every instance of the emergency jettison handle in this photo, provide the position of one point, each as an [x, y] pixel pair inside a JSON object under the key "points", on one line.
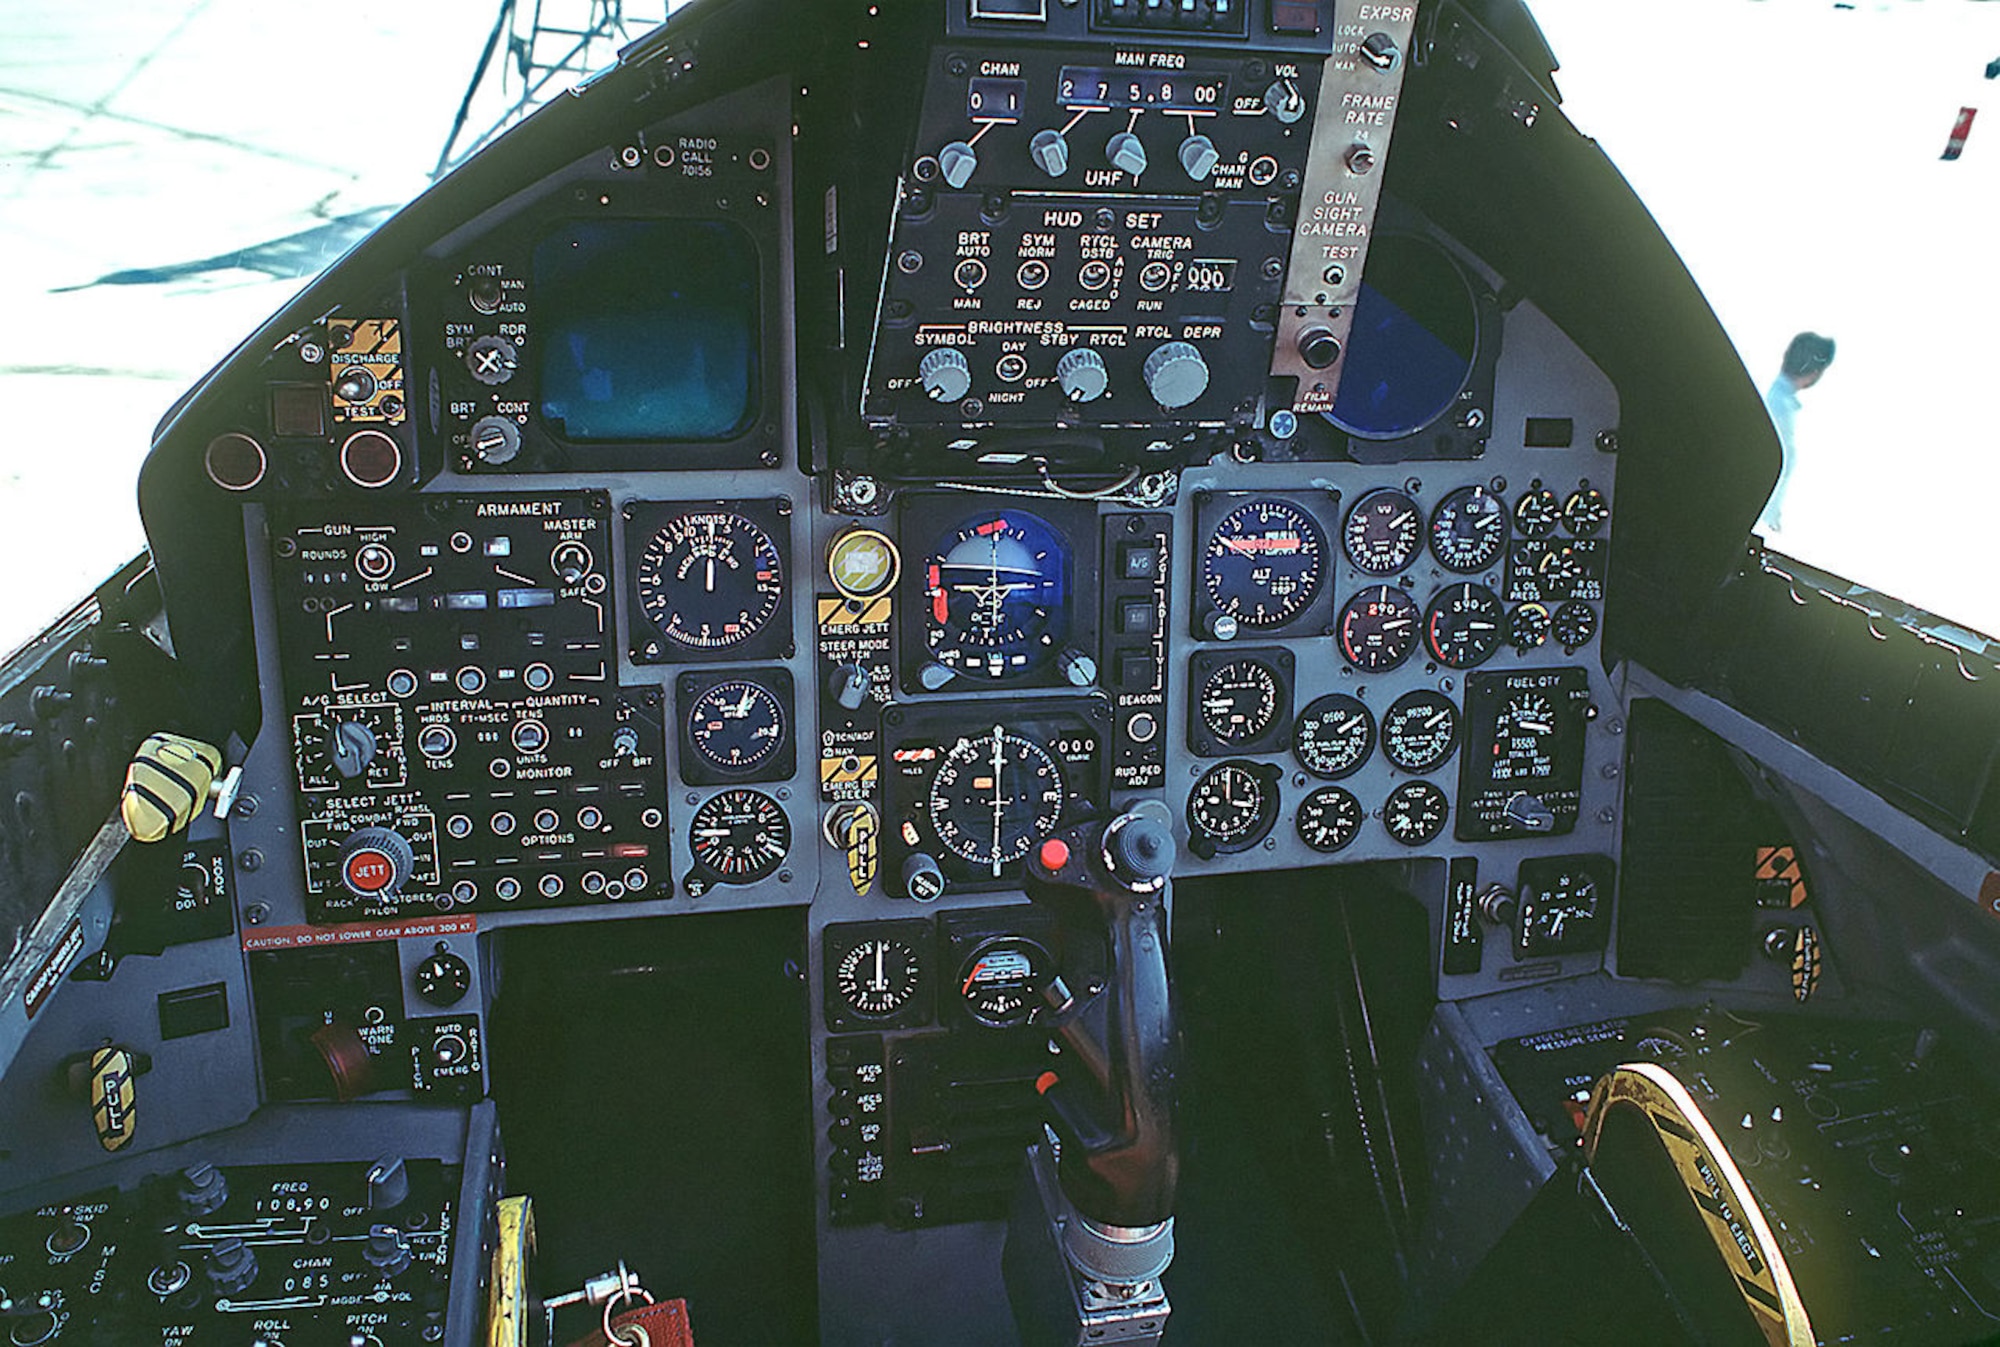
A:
{"points": [[1114, 1101]]}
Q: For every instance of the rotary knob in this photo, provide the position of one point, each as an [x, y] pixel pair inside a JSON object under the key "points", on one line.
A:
{"points": [[1199, 156], [201, 1191], [231, 1265], [386, 1250], [492, 360], [1082, 376], [1126, 151], [350, 748], [375, 862], [945, 375], [1050, 151], [923, 879], [957, 161], [495, 440], [1176, 374]]}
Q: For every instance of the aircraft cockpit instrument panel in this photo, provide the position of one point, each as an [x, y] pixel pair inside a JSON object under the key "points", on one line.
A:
{"points": [[871, 478]]}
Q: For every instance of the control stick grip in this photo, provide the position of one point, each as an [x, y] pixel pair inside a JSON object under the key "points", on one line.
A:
{"points": [[1106, 883]]}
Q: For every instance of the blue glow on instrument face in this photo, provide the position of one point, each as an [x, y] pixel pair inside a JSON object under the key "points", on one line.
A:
{"points": [[1412, 345], [648, 330], [996, 592]]}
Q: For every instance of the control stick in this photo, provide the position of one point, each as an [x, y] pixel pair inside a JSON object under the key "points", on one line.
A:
{"points": [[1092, 1229]]}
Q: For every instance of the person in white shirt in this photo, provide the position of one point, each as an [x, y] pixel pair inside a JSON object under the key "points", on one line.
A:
{"points": [[1805, 360]]}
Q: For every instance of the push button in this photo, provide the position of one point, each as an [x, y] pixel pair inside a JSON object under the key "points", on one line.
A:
{"points": [[1139, 561], [1137, 617]]}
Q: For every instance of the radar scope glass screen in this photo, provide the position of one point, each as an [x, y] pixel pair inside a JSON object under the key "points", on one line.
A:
{"points": [[650, 329], [1415, 335]]}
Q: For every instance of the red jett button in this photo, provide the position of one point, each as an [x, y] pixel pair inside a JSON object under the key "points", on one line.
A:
{"points": [[369, 871], [1055, 854]]}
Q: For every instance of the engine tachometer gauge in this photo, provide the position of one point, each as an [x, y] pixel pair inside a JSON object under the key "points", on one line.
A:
{"points": [[1383, 532], [1469, 530], [1334, 736], [1263, 563], [995, 795], [996, 594], [1419, 730]]}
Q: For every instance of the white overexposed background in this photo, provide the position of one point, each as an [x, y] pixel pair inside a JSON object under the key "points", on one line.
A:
{"points": [[1790, 149]]}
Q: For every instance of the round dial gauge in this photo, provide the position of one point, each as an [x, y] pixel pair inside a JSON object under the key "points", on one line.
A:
{"points": [[1523, 735], [1526, 714], [1415, 813], [1378, 628], [710, 580], [1232, 806], [1334, 736], [1329, 819], [878, 976], [1575, 623], [994, 797], [1419, 730], [1384, 530], [1264, 563], [1469, 530], [740, 836], [1537, 513], [1557, 914], [995, 595], [736, 726], [1586, 510], [1561, 567], [1528, 626], [1001, 982], [1465, 626], [1239, 701]]}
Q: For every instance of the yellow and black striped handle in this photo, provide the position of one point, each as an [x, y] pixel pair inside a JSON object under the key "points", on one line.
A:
{"points": [[167, 785]]}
